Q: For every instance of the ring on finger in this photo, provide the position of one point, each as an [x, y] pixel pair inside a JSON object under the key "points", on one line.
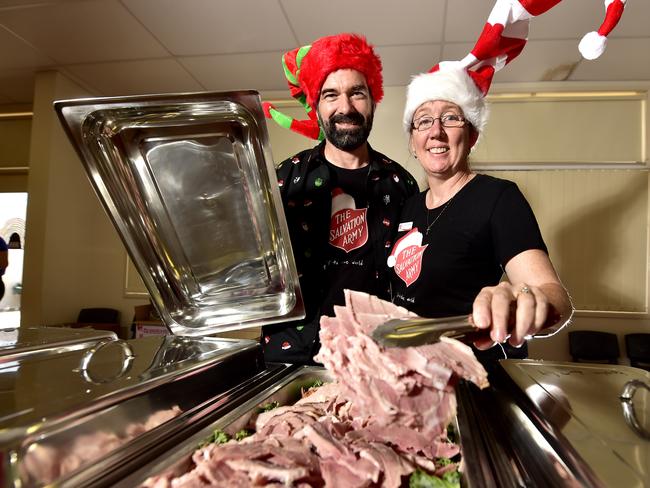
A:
{"points": [[525, 290]]}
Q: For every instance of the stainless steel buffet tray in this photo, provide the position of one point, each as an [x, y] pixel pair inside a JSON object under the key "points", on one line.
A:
{"points": [[584, 405], [80, 417], [189, 183], [544, 424]]}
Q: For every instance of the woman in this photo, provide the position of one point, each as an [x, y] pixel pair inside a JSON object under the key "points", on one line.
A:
{"points": [[458, 237]]}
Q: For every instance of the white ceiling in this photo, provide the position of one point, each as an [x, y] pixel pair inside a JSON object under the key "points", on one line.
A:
{"points": [[124, 47]]}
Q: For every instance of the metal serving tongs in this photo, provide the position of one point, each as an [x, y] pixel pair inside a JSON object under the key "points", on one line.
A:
{"points": [[418, 331]]}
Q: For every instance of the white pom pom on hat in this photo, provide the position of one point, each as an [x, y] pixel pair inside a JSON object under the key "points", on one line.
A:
{"points": [[593, 43]]}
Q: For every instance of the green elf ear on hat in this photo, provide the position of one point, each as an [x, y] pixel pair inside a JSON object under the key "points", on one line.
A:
{"points": [[291, 63]]}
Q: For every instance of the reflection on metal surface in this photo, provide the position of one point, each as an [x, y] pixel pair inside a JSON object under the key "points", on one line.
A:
{"points": [[506, 444], [189, 183], [583, 405], [627, 401], [125, 350], [551, 402]]}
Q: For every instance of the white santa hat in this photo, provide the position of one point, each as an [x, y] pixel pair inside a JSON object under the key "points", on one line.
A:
{"points": [[453, 84], [503, 38], [412, 238]]}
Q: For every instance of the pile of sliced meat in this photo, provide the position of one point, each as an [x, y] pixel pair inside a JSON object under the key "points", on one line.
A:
{"points": [[399, 395], [383, 417]]}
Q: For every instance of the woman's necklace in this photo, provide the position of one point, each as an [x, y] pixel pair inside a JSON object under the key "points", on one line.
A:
{"points": [[429, 225]]}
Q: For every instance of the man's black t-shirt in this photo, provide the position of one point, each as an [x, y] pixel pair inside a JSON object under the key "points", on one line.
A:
{"points": [[312, 195], [350, 260]]}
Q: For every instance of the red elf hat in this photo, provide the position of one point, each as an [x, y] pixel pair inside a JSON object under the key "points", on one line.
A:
{"points": [[307, 67]]}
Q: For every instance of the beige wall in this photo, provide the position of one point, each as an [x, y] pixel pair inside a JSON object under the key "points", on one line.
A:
{"points": [[75, 258]]}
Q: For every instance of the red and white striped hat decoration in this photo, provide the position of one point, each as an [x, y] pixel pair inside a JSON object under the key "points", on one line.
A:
{"points": [[503, 38], [593, 44]]}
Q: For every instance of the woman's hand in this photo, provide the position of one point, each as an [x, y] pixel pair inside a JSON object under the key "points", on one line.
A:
{"points": [[511, 312]]}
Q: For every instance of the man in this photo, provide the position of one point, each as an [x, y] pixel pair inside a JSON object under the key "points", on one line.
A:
{"points": [[342, 198]]}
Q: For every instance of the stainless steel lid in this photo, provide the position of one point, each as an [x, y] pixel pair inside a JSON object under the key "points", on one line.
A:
{"points": [[189, 183], [26, 341], [594, 411], [61, 413]]}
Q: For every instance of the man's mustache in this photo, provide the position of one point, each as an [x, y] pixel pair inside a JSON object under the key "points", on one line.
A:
{"points": [[354, 118]]}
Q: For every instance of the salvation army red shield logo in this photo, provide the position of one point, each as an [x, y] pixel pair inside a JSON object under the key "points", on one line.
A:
{"points": [[348, 225], [406, 258]]}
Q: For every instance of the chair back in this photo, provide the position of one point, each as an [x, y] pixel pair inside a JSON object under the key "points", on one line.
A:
{"points": [[593, 346], [638, 350], [99, 316]]}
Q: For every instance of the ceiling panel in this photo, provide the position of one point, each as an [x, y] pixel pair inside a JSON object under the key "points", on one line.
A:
{"points": [[568, 20], [465, 20], [144, 46], [24, 3], [402, 62], [261, 71], [86, 31], [195, 27], [383, 22], [624, 60], [15, 53], [136, 77]]}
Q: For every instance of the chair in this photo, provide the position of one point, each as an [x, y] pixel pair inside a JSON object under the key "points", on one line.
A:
{"points": [[99, 315], [638, 350], [590, 346], [99, 319]]}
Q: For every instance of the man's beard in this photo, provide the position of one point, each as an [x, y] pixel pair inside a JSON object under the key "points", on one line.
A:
{"points": [[347, 139]]}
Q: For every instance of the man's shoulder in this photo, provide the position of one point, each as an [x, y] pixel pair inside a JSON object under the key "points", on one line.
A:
{"points": [[300, 157], [384, 162]]}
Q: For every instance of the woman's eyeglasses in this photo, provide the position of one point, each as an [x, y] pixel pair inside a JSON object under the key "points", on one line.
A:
{"points": [[446, 120]]}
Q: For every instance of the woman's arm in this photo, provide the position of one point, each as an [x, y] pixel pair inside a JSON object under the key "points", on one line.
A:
{"points": [[533, 298]]}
